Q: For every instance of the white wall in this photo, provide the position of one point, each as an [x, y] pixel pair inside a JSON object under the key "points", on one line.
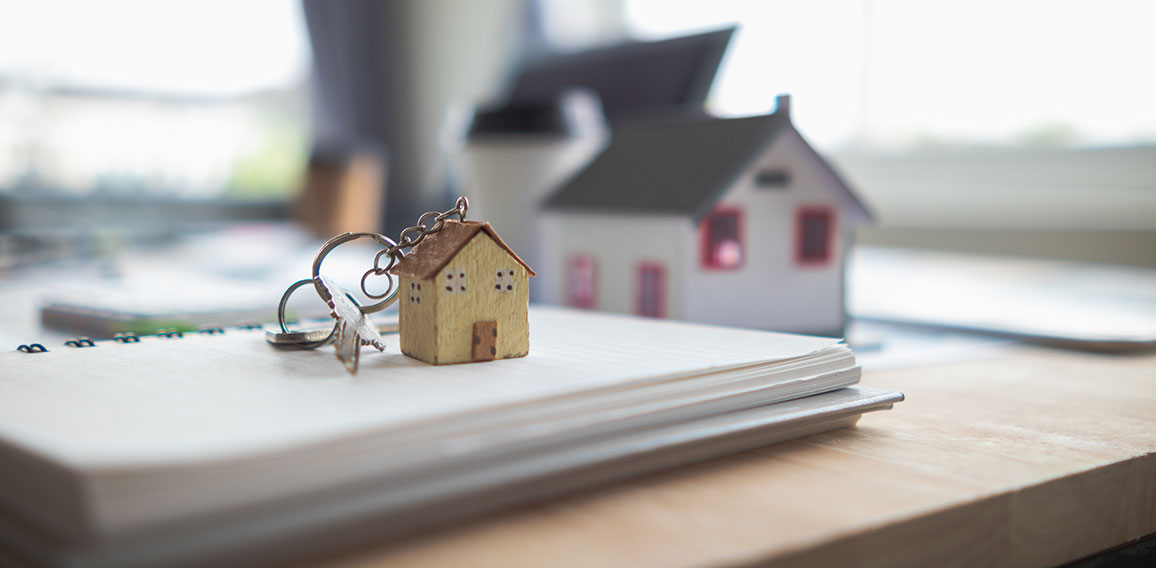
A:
{"points": [[770, 290], [618, 243]]}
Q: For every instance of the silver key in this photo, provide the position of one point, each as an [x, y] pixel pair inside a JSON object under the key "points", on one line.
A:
{"points": [[304, 339], [353, 327]]}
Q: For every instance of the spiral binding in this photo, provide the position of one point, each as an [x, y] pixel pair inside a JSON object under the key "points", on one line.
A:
{"points": [[128, 337]]}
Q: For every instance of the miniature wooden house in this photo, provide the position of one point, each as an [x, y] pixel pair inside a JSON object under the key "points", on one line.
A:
{"points": [[733, 221], [464, 297]]}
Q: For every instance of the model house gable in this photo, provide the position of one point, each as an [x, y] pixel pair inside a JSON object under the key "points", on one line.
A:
{"points": [[783, 185], [439, 248]]}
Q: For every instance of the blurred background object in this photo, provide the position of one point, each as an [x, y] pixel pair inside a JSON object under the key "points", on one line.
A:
{"points": [[1017, 129], [342, 192], [138, 115], [174, 164], [633, 79], [965, 130], [514, 155], [385, 72], [554, 119]]}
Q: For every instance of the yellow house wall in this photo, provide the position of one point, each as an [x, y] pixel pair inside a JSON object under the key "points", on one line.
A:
{"points": [[449, 338], [417, 318]]}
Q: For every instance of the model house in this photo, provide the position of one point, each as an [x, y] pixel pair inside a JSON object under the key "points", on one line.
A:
{"points": [[463, 297], [554, 119], [730, 221]]}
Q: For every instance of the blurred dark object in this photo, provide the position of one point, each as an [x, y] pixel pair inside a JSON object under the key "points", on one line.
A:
{"points": [[1137, 554], [342, 193], [356, 73], [45, 211], [542, 118], [384, 73], [629, 80], [362, 96], [632, 78]]}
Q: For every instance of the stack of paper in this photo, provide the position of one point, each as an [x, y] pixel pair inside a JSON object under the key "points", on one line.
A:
{"points": [[213, 448]]}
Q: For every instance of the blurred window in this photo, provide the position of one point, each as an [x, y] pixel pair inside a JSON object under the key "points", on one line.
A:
{"points": [[815, 232], [773, 179], [189, 99], [651, 290], [581, 282], [722, 245]]}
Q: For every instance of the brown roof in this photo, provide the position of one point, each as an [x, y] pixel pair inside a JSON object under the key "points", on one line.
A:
{"points": [[437, 249]]}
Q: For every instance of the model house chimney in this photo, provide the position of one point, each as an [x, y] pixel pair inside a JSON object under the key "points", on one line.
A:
{"points": [[783, 104]]}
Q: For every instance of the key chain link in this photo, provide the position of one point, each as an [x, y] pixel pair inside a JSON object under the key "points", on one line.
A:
{"points": [[428, 223], [411, 237]]}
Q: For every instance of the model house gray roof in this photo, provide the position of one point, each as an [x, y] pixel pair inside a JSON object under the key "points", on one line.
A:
{"points": [[678, 167], [631, 79]]}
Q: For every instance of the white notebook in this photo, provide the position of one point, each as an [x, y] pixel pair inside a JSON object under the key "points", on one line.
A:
{"points": [[135, 452]]}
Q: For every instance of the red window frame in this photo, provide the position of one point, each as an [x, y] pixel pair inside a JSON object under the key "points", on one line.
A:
{"points": [[585, 297], [641, 303], [707, 257], [802, 217]]}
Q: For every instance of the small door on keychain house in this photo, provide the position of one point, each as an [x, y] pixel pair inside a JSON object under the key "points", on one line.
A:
{"points": [[485, 341]]}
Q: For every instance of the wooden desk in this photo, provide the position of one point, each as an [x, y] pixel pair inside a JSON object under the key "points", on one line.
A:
{"points": [[1036, 457]]}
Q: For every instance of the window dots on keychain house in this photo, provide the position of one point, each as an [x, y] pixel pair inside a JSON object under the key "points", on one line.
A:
{"points": [[504, 280], [455, 281], [415, 292]]}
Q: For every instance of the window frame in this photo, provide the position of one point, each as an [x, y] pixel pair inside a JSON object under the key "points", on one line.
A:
{"points": [[706, 258], [802, 214], [659, 269], [572, 263], [773, 179], [509, 279], [451, 286]]}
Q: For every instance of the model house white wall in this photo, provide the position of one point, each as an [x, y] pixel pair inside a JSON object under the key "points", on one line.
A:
{"points": [[773, 288], [616, 244], [770, 289]]}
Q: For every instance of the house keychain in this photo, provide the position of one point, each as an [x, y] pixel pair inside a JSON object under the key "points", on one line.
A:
{"points": [[466, 295]]}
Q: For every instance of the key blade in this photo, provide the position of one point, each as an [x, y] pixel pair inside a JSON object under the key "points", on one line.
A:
{"points": [[348, 347], [344, 309], [354, 329]]}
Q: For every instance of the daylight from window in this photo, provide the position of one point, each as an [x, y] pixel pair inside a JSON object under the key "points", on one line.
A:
{"points": [[187, 99], [906, 74]]}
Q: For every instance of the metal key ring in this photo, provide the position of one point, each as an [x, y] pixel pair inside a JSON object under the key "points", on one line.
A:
{"points": [[285, 328], [334, 243]]}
